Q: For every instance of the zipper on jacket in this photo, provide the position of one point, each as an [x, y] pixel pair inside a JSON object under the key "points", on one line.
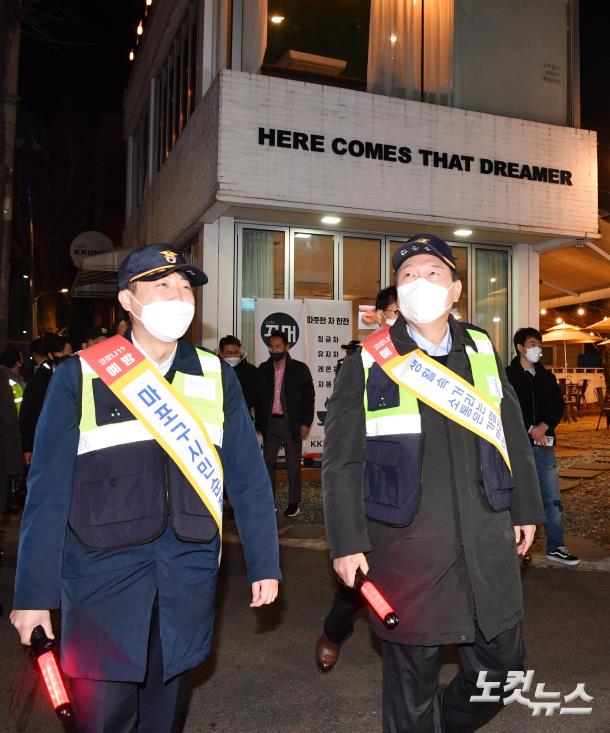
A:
{"points": [[168, 503]]}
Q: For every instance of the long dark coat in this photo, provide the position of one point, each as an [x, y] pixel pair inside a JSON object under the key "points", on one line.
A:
{"points": [[456, 560]]}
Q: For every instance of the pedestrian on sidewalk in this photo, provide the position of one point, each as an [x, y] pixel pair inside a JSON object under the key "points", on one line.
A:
{"points": [[542, 405], [284, 413]]}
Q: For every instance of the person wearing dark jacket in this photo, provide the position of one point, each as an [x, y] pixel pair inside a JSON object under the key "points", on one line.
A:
{"points": [[542, 406], [121, 527], [229, 350], [430, 488], [57, 349], [284, 413]]}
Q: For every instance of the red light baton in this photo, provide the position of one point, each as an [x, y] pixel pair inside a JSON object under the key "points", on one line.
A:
{"points": [[375, 599], [43, 651]]}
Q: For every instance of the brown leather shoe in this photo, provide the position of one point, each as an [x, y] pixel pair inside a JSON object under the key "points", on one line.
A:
{"points": [[327, 653]]}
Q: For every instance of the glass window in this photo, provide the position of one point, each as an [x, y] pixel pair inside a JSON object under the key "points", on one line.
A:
{"points": [[176, 84], [313, 41], [262, 267], [491, 291], [361, 275], [313, 265]]}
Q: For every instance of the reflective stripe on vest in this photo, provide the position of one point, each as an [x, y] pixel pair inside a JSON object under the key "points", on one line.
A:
{"points": [[405, 418], [17, 390], [203, 393]]}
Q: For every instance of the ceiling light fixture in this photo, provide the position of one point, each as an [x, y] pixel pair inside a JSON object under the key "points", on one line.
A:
{"points": [[277, 19], [140, 28], [302, 235], [543, 311], [330, 219], [131, 55], [463, 232], [559, 320], [581, 311]]}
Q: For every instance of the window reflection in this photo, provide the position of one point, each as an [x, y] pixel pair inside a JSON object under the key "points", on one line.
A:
{"points": [[313, 265]]}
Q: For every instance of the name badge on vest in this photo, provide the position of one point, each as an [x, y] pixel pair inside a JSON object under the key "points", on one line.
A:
{"points": [[202, 387]]}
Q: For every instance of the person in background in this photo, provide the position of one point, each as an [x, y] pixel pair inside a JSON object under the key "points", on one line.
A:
{"points": [[95, 335], [542, 406], [11, 457], [386, 306], [284, 413], [11, 363], [121, 325], [347, 604], [229, 349], [57, 349]]}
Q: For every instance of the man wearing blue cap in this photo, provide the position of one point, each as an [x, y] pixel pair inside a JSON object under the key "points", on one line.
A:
{"points": [[430, 487], [121, 528]]}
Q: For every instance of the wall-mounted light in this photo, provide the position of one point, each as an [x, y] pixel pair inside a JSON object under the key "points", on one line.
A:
{"points": [[277, 19], [64, 290], [462, 232], [330, 219]]}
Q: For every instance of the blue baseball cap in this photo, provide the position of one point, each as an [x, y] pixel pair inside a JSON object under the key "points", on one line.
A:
{"points": [[154, 261], [423, 244]]}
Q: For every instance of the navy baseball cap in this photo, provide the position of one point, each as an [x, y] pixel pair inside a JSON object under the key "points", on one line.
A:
{"points": [[423, 244], [154, 261]]}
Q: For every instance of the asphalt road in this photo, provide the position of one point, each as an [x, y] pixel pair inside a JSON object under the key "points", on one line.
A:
{"points": [[262, 676]]}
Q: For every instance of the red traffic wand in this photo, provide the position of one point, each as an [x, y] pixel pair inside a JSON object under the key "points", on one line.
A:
{"points": [[375, 599], [43, 651]]}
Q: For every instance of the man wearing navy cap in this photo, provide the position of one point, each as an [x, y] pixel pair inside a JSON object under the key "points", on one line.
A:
{"points": [[121, 528], [430, 488]]}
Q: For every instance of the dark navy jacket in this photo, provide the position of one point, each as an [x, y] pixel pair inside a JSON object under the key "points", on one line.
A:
{"points": [[106, 597]]}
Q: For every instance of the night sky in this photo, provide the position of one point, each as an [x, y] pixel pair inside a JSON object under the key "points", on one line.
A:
{"points": [[74, 69]]}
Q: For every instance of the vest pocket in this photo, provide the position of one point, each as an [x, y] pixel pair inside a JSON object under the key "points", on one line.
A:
{"points": [[116, 499], [381, 475]]}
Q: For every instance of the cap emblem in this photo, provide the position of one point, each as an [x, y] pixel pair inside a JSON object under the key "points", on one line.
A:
{"points": [[169, 256]]}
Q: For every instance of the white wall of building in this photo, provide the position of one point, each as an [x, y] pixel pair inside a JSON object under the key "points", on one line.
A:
{"points": [[264, 174]]}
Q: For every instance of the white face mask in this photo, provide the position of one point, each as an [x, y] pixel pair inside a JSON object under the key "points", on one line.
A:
{"points": [[421, 301], [166, 320], [533, 354], [390, 321], [232, 360]]}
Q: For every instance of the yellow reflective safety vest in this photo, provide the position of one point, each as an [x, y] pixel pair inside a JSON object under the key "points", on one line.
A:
{"points": [[125, 485], [392, 461]]}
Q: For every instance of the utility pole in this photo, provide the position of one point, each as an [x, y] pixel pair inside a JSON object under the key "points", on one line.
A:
{"points": [[9, 70]]}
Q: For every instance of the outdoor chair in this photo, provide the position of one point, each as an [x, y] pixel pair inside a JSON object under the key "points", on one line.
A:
{"points": [[581, 393], [604, 407], [569, 414]]}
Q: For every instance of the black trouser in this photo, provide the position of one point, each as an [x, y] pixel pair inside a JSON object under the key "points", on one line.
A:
{"points": [[410, 681], [340, 620], [152, 706], [278, 433]]}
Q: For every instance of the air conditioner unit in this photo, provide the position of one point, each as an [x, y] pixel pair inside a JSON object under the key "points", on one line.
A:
{"points": [[312, 63]]}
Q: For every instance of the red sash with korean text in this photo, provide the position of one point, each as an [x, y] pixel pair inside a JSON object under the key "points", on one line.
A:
{"points": [[440, 388]]}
